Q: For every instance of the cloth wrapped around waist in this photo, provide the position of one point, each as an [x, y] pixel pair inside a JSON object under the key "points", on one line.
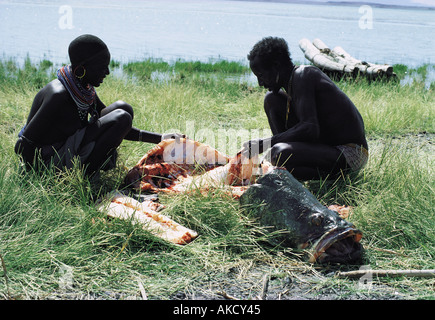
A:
{"points": [[356, 156], [60, 154]]}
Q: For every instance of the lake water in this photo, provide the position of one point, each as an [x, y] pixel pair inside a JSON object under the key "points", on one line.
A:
{"points": [[203, 30]]}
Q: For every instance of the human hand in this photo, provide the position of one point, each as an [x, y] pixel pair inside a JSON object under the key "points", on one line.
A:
{"points": [[252, 148], [173, 136]]}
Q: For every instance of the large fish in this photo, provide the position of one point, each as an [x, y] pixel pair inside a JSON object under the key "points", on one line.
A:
{"points": [[272, 194], [278, 200]]}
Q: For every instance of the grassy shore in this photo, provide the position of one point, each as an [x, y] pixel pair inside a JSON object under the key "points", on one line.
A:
{"points": [[55, 244]]}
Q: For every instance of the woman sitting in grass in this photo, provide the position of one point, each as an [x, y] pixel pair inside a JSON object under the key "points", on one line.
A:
{"points": [[67, 119]]}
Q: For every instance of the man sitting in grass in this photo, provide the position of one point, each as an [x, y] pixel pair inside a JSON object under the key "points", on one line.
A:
{"points": [[68, 120], [317, 130]]}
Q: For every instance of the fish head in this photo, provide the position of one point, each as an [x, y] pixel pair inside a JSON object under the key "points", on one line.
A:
{"points": [[279, 201], [330, 239]]}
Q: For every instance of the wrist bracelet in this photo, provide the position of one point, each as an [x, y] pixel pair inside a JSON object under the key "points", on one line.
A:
{"points": [[140, 135]]}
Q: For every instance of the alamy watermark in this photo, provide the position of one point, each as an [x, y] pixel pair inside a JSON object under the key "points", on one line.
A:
{"points": [[366, 19], [65, 277], [66, 19], [226, 141], [366, 281]]}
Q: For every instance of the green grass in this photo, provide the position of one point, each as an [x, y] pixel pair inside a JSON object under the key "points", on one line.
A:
{"points": [[394, 109], [143, 70], [51, 230]]}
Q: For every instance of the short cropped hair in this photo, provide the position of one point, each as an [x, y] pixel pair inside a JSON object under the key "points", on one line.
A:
{"points": [[271, 49], [85, 48]]}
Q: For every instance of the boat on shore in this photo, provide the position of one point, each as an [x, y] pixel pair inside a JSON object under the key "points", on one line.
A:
{"points": [[337, 63]]}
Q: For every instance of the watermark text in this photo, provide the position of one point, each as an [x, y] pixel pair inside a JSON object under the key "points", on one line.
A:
{"points": [[66, 18], [366, 19]]}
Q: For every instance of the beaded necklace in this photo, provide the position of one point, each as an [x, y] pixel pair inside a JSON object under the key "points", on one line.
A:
{"points": [[83, 97]]}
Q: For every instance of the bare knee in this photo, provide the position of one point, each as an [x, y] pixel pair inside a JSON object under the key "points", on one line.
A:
{"points": [[122, 105], [123, 118], [281, 153], [272, 100]]}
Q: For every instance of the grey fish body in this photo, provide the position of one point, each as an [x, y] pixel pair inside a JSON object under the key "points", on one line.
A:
{"points": [[281, 202]]}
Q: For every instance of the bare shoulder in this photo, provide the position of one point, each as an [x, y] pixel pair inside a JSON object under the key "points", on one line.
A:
{"points": [[55, 87], [306, 78], [307, 73], [54, 91]]}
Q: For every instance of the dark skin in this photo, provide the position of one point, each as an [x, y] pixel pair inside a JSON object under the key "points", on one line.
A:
{"points": [[54, 117], [321, 117]]}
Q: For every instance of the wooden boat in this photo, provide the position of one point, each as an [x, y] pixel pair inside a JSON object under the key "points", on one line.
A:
{"points": [[338, 63]]}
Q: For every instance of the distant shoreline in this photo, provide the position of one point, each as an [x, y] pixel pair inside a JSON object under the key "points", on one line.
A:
{"points": [[115, 63], [424, 72], [348, 3]]}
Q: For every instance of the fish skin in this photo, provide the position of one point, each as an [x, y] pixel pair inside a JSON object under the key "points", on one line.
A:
{"points": [[279, 201], [170, 159], [175, 166]]}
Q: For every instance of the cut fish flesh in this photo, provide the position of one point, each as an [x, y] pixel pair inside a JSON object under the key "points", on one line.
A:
{"points": [[147, 214], [184, 165]]}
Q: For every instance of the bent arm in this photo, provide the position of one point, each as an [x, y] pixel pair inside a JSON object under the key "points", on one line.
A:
{"points": [[40, 123], [304, 109], [301, 132], [145, 136], [36, 132]]}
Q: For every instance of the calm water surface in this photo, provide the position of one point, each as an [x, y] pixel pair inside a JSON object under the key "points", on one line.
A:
{"points": [[203, 30]]}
